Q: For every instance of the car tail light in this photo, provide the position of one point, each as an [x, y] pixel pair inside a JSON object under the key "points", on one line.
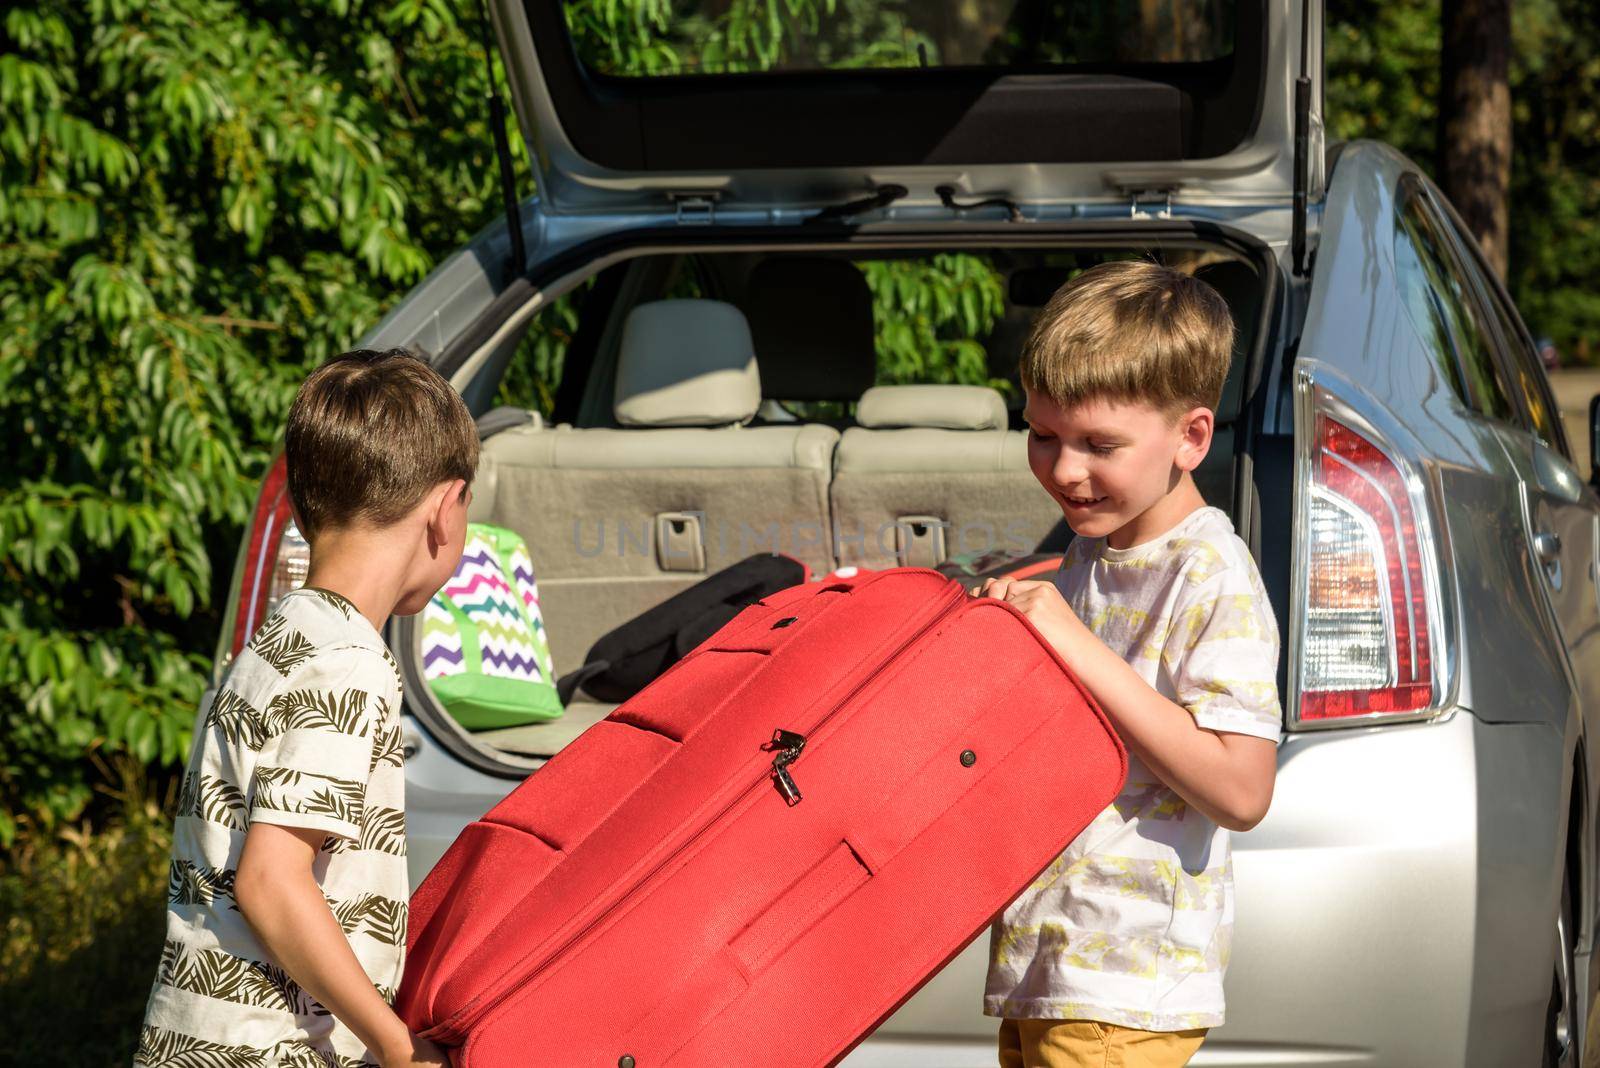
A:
{"points": [[275, 558], [1371, 605]]}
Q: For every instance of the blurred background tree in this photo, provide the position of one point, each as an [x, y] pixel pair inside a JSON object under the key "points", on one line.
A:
{"points": [[199, 201], [1383, 81], [1474, 148]]}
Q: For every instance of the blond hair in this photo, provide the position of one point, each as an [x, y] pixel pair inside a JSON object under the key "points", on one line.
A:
{"points": [[1131, 330], [370, 433]]}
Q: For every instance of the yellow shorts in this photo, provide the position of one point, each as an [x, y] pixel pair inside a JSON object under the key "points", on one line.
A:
{"points": [[1091, 1044]]}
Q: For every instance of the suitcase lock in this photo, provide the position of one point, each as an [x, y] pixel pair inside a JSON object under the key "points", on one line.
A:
{"points": [[785, 747]]}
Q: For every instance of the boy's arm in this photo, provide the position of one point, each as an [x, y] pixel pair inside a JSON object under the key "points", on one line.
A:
{"points": [[281, 901], [1227, 776]]}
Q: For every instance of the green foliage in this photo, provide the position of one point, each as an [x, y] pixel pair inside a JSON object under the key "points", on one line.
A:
{"points": [[1555, 172], [531, 378], [932, 315], [199, 201], [1382, 77], [653, 37], [1383, 82], [82, 932]]}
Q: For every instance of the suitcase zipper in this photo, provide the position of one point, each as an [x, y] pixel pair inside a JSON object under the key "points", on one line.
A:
{"points": [[786, 747], [454, 1031]]}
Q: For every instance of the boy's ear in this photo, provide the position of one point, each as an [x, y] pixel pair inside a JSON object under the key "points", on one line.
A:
{"points": [[446, 498], [1195, 428]]}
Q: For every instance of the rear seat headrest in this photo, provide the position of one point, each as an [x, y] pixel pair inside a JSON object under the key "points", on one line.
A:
{"points": [[812, 322], [945, 407], [686, 363]]}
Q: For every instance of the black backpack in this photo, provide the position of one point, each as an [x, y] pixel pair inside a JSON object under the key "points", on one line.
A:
{"points": [[626, 660]]}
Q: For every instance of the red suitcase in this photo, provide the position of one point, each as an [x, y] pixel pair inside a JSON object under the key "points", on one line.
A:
{"points": [[765, 852]]}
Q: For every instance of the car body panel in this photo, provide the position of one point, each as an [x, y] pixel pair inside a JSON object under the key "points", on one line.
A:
{"points": [[1517, 636], [1555, 500], [1367, 824], [1521, 841], [442, 797], [1258, 169]]}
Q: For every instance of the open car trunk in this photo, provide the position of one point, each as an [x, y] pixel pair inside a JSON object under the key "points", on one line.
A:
{"points": [[1043, 104], [804, 475]]}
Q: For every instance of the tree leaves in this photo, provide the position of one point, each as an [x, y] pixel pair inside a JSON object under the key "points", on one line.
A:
{"points": [[200, 200], [930, 314], [1383, 82]]}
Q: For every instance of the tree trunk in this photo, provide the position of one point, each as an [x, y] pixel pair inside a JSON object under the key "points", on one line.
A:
{"points": [[1474, 158]]}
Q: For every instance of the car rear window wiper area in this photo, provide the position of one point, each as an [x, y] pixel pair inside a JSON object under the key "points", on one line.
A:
{"points": [[881, 197], [947, 197], [885, 195]]}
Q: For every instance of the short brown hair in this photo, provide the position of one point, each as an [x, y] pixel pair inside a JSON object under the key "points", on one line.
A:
{"points": [[1131, 330], [370, 433]]}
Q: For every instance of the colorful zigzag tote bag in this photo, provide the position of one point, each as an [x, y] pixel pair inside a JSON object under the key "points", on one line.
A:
{"points": [[484, 651]]}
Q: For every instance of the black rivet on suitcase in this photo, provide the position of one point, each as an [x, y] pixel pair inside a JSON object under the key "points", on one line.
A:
{"points": [[625, 1061], [968, 758]]}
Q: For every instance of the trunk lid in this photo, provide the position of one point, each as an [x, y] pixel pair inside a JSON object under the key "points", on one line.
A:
{"points": [[695, 105]]}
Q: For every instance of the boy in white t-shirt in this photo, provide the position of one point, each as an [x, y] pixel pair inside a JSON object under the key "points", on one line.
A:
{"points": [[287, 902], [1115, 955]]}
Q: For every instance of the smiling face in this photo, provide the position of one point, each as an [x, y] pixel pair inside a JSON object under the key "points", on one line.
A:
{"points": [[1118, 469]]}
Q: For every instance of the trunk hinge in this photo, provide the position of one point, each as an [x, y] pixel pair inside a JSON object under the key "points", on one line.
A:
{"points": [[1143, 202], [502, 148], [697, 208]]}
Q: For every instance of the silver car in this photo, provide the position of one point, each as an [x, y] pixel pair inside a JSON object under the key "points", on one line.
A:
{"points": [[1424, 889]]}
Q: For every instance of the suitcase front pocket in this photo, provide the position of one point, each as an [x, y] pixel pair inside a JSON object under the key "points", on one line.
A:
{"points": [[703, 995], [807, 900]]}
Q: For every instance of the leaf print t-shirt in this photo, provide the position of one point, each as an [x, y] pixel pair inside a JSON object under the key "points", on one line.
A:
{"points": [[1131, 925], [304, 732]]}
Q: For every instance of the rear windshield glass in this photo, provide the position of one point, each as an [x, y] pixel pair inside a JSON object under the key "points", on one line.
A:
{"points": [[658, 38]]}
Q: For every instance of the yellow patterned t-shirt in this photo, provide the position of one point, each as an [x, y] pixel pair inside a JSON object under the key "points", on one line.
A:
{"points": [[304, 732], [1131, 925]]}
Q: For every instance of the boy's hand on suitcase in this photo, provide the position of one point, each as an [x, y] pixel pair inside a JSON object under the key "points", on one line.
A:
{"points": [[1045, 608], [422, 1054]]}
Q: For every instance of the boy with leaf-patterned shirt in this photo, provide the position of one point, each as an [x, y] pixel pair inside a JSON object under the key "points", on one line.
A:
{"points": [[1116, 954], [286, 913]]}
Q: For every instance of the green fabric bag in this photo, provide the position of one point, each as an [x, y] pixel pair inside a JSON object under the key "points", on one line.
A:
{"points": [[484, 652]]}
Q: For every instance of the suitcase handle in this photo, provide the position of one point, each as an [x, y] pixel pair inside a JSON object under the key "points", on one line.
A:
{"points": [[784, 598]]}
